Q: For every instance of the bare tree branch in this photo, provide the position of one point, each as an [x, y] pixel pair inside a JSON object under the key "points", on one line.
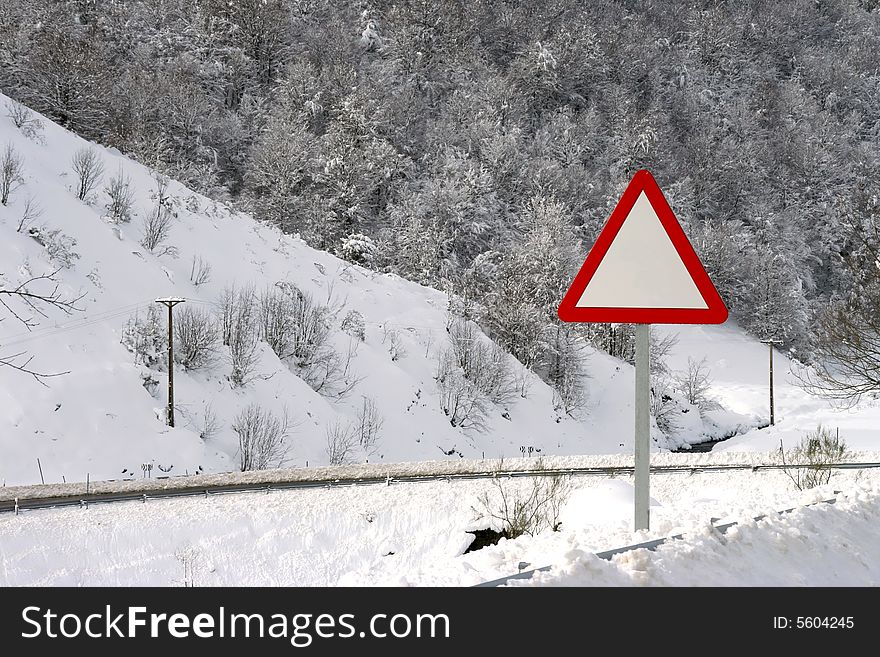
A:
{"points": [[9, 361], [37, 301], [53, 298]]}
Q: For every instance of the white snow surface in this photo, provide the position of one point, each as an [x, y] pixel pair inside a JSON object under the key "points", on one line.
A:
{"points": [[415, 534], [99, 421]]}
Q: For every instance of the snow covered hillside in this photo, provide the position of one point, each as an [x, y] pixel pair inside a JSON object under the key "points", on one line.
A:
{"points": [[376, 368], [105, 416]]}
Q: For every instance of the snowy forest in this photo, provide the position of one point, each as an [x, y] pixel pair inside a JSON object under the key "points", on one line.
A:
{"points": [[478, 147]]}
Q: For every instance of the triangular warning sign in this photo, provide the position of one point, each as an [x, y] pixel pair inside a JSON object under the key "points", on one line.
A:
{"points": [[642, 269]]}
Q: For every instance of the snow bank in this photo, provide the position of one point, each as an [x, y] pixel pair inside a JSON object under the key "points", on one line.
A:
{"points": [[405, 534], [820, 545]]}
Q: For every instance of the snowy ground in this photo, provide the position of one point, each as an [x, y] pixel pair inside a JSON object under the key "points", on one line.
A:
{"points": [[819, 545], [415, 534], [739, 366], [99, 420]]}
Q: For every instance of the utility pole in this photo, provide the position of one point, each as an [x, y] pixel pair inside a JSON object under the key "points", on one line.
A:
{"points": [[170, 302], [770, 343]]}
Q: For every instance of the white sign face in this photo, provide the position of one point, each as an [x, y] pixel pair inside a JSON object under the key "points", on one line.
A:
{"points": [[642, 268]]}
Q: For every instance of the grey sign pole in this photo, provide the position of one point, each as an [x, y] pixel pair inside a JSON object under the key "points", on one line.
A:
{"points": [[643, 426]]}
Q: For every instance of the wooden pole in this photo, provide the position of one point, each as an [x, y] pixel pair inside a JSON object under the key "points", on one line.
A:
{"points": [[170, 303]]}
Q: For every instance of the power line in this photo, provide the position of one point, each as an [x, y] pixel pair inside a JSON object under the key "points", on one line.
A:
{"points": [[82, 322], [113, 313]]}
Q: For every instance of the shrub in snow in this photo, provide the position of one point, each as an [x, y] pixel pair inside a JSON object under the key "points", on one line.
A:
{"points": [[368, 425], [525, 507], [309, 323], [810, 464], [146, 336], [297, 328], [156, 229], [157, 224], [261, 438], [664, 406], [89, 169], [359, 249], [694, 385], [392, 339], [569, 389], [330, 373], [341, 441], [25, 120], [19, 114], [460, 399], [209, 424], [567, 371], [121, 193], [149, 382], [196, 337], [199, 271], [275, 324], [661, 347], [484, 363], [59, 246], [29, 214], [471, 373], [11, 173], [353, 324], [238, 329]]}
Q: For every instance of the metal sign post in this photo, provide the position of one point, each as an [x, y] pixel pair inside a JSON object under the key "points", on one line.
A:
{"points": [[642, 270], [643, 426]]}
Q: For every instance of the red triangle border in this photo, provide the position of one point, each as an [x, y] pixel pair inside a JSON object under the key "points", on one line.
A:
{"points": [[715, 313]]}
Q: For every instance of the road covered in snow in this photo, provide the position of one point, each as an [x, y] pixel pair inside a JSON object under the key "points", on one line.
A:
{"points": [[417, 533]]}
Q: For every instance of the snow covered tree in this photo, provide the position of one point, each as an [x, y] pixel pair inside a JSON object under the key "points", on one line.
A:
{"points": [[278, 168], [438, 121], [67, 74], [779, 309], [196, 338], [845, 363], [694, 384], [359, 249], [532, 277]]}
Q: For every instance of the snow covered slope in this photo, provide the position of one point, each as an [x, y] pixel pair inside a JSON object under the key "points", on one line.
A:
{"points": [[99, 419]]}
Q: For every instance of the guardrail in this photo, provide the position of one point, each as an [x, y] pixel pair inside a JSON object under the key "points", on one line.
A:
{"points": [[190, 490], [647, 545]]}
